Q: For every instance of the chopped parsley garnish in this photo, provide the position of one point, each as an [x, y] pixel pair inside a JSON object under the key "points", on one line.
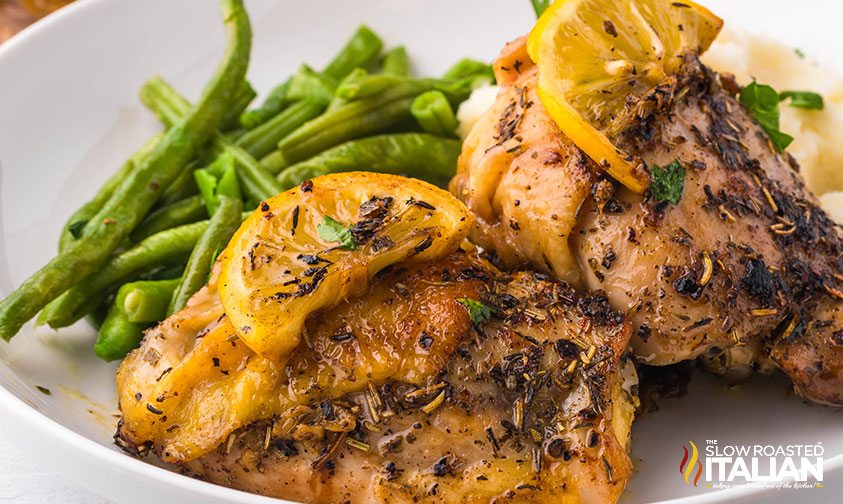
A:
{"points": [[540, 6], [668, 182], [763, 102], [77, 227], [43, 390], [799, 53], [476, 310], [333, 231], [804, 99]]}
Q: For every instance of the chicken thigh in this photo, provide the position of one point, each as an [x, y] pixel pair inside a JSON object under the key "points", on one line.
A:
{"points": [[446, 381], [746, 259]]}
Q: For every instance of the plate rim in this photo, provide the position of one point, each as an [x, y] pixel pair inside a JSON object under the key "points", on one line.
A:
{"points": [[38, 421]]}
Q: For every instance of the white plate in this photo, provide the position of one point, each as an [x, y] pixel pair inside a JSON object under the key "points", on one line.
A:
{"points": [[69, 116]]}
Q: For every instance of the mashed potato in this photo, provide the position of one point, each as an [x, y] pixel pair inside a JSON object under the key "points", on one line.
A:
{"points": [[470, 110], [815, 144], [832, 203]]}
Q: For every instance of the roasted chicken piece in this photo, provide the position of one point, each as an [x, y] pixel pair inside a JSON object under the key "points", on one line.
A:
{"points": [[289, 260], [511, 175], [397, 396], [529, 408], [193, 381], [746, 257]]}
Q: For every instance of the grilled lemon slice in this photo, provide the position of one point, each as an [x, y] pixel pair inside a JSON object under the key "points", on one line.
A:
{"points": [[596, 57], [311, 247]]}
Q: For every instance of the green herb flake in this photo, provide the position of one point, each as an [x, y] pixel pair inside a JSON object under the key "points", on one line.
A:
{"points": [[43, 390], [668, 182], [804, 99], [799, 53], [77, 227], [763, 102], [333, 231], [476, 310], [540, 6]]}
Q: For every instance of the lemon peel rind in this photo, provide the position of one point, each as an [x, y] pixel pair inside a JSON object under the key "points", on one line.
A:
{"points": [[273, 331], [626, 169]]}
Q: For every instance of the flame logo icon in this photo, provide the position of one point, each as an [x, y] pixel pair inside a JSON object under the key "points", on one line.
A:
{"points": [[686, 470]]}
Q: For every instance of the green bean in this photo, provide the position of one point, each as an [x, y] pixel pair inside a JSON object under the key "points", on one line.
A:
{"points": [[360, 51], [231, 118], [186, 211], [165, 248], [396, 62], [308, 83], [263, 140], [97, 315], [219, 179], [275, 102], [170, 107], [117, 336], [381, 113], [415, 154], [273, 162], [77, 222], [468, 67], [223, 224], [147, 301], [135, 307], [348, 84], [360, 84], [434, 114], [235, 134], [163, 101], [470, 72], [133, 198], [163, 272], [355, 120], [184, 186], [257, 183]]}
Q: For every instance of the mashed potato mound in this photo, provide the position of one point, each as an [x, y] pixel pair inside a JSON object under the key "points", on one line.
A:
{"points": [[832, 203], [815, 132], [477, 104]]}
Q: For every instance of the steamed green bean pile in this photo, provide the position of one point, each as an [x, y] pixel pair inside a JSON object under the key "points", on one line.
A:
{"points": [[147, 240]]}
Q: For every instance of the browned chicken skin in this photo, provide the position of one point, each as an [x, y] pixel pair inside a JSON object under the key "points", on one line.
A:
{"points": [[397, 397], [193, 361], [746, 257], [510, 176], [513, 426]]}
